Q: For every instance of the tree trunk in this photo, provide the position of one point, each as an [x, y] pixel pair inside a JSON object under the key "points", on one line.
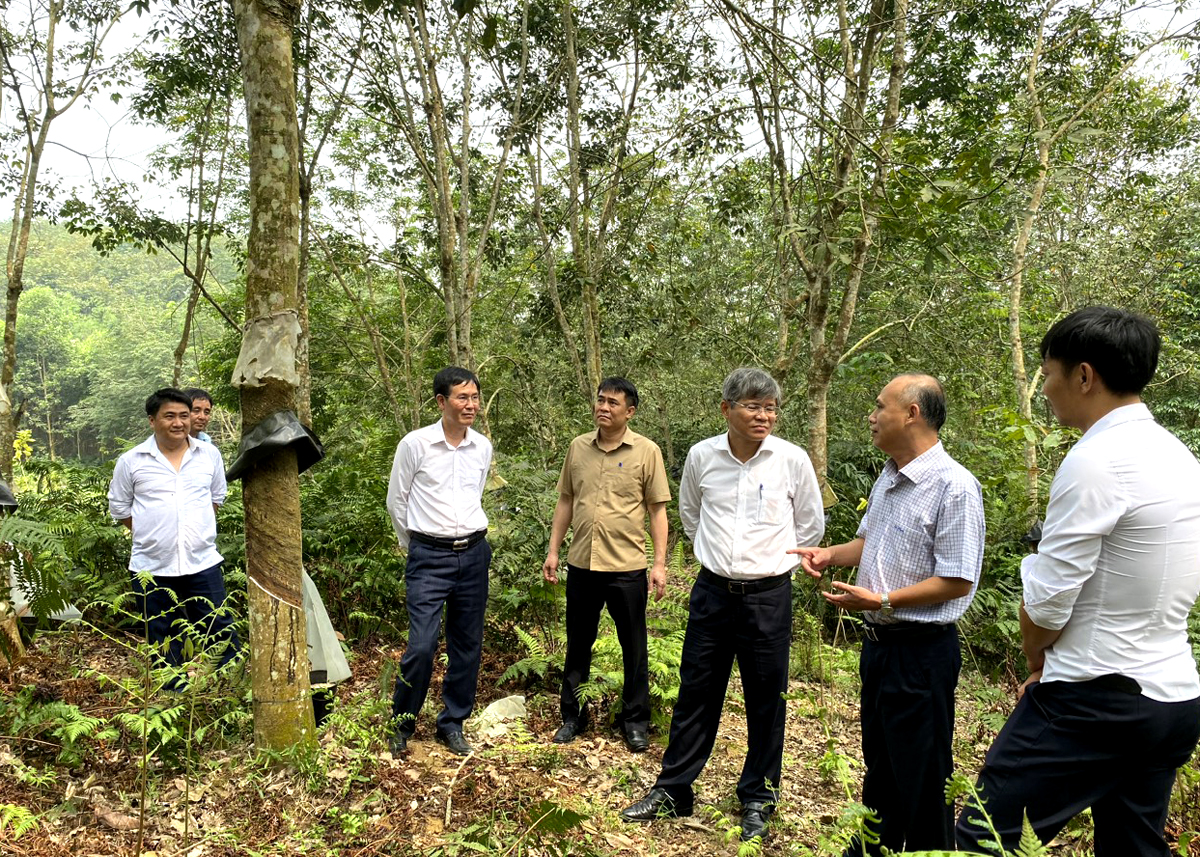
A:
{"points": [[268, 378]]}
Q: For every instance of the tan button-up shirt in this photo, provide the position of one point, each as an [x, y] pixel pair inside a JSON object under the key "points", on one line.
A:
{"points": [[610, 494]]}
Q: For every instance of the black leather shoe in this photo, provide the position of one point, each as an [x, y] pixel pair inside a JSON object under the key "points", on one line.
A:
{"points": [[398, 743], [636, 740], [755, 817], [455, 742], [568, 732], [657, 804]]}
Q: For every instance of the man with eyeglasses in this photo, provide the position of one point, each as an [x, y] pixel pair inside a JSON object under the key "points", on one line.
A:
{"points": [[435, 501], [919, 552], [612, 480], [746, 498]]}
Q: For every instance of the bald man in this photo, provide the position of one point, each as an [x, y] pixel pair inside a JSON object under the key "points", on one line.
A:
{"points": [[919, 550]]}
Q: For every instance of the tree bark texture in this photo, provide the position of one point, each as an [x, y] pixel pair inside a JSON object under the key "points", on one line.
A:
{"points": [[268, 378]]}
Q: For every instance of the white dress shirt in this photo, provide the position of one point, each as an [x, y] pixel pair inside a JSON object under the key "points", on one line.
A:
{"points": [[742, 518], [1118, 566], [174, 525], [924, 520], [436, 488]]}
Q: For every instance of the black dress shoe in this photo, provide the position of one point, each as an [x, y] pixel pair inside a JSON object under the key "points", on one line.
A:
{"points": [[568, 732], [636, 740], [398, 743], [455, 742], [657, 804], [755, 817]]}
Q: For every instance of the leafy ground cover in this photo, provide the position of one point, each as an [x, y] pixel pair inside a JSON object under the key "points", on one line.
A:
{"points": [[80, 776]]}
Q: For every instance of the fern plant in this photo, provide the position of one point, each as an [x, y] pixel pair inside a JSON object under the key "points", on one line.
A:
{"points": [[16, 821], [535, 663]]}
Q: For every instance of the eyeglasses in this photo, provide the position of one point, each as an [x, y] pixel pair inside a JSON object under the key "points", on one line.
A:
{"points": [[463, 399], [756, 408]]}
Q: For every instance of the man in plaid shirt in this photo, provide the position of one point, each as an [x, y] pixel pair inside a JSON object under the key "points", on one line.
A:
{"points": [[919, 550]]}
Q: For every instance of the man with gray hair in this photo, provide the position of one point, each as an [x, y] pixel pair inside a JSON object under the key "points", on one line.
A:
{"points": [[745, 498], [919, 551]]}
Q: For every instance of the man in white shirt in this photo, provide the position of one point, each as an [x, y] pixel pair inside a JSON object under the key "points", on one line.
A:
{"points": [[1111, 708], [166, 490], [745, 498], [435, 499], [919, 551]]}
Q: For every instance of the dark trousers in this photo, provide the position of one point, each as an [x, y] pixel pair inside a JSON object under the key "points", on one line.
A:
{"points": [[907, 720], [756, 630], [175, 608], [1072, 745], [624, 593], [438, 577]]}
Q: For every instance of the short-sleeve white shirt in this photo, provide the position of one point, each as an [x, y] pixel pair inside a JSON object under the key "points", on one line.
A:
{"points": [[743, 517], [1118, 566], [436, 488], [174, 525]]}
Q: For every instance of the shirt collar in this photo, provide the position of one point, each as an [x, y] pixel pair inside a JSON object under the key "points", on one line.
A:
{"points": [[626, 440], [770, 444], [1119, 416], [920, 467], [440, 436], [150, 447]]}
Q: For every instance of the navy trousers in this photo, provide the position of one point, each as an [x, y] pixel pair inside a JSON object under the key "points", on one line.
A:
{"points": [[175, 608], [756, 630], [907, 718], [436, 578], [1072, 745], [624, 593]]}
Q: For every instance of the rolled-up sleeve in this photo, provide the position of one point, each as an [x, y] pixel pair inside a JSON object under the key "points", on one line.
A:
{"points": [[1085, 504]]}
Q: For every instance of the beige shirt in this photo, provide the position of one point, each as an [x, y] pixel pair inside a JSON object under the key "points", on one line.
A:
{"points": [[610, 494]]}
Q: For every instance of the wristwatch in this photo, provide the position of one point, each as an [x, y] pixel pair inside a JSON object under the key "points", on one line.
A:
{"points": [[885, 604]]}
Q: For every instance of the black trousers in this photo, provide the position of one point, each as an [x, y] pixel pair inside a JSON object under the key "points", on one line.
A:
{"points": [[624, 593], [1072, 745], [176, 607], [907, 716], [756, 630], [438, 577]]}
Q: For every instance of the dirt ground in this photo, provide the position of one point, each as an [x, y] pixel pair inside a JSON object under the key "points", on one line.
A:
{"points": [[518, 794]]}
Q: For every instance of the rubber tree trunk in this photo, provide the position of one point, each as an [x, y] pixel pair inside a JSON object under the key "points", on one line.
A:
{"points": [[267, 377]]}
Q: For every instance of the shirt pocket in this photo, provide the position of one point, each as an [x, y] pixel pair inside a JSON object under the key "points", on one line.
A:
{"points": [[771, 506], [913, 550], [627, 480]]}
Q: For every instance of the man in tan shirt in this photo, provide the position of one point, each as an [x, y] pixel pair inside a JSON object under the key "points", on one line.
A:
{"points": [[612, 480]]}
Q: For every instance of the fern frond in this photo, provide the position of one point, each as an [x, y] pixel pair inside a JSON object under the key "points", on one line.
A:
{"points": [[16, 819]]}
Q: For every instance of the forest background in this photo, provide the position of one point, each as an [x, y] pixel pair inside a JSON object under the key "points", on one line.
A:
{"points": [[550, 192]]}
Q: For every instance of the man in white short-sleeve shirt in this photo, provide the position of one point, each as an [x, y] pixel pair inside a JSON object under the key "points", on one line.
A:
{"points": [[1111, 708], [166, 490], [435, 500]]}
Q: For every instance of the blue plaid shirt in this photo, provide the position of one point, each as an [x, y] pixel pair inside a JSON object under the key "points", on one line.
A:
{"points": [[922, 521]]}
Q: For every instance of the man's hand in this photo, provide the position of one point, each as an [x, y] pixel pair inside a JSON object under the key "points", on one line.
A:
{"points": [[851, 597], [814, 560], [656, 581], [1034, 678], [550, 568]]}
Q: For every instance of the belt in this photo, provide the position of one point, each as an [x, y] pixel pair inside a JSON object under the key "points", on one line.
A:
{"points": [[450, 544], [900, 632], [744, 587]]}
